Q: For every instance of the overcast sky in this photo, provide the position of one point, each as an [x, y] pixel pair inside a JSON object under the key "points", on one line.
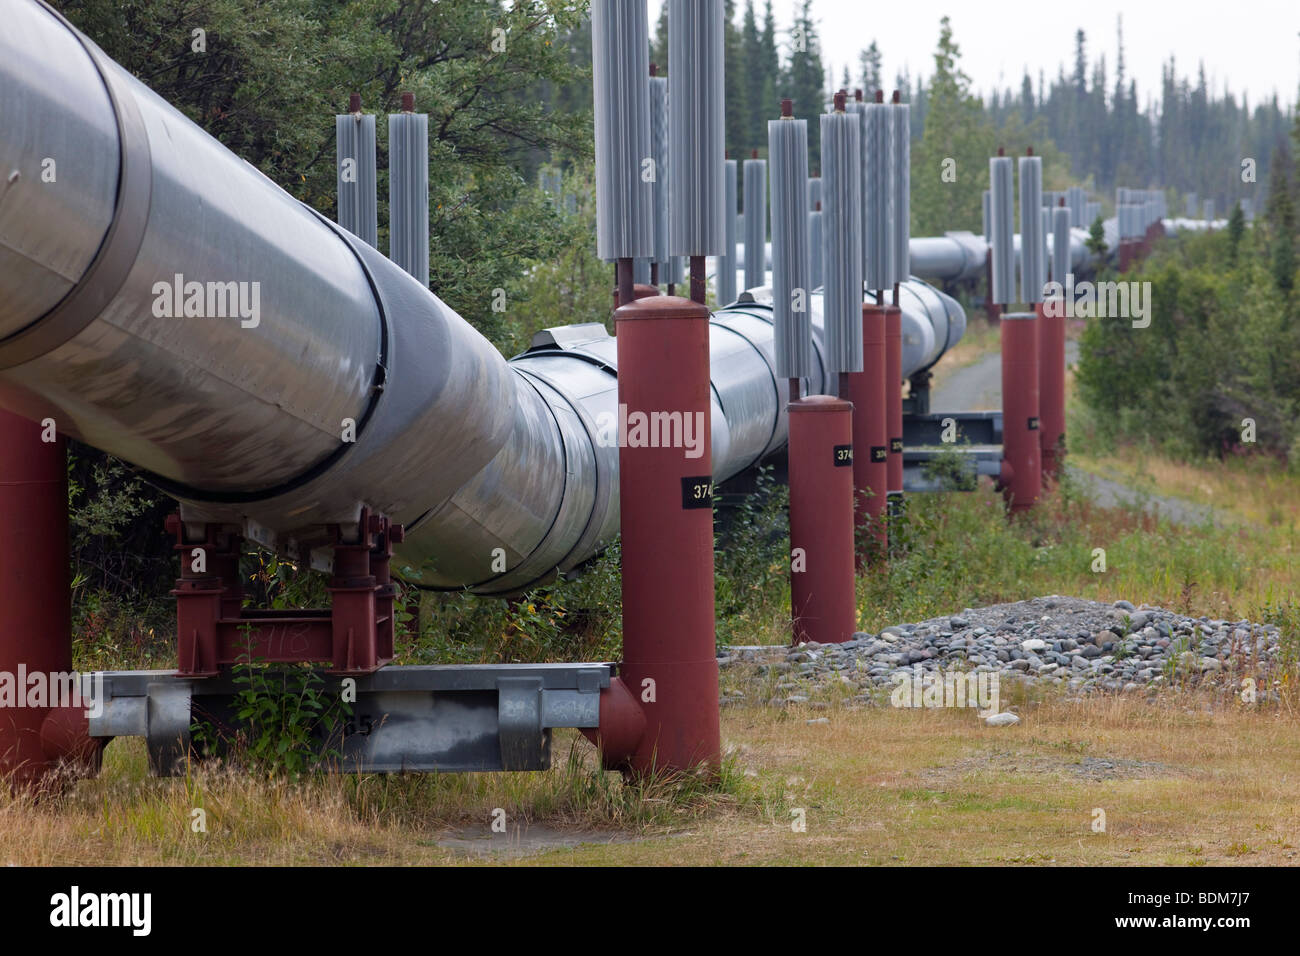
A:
{"points": [[1252, 45]]}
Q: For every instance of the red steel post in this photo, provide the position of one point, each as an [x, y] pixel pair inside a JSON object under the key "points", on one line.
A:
{"points": [[822, 601], [639, 291], [1126, 255], [1021, 456], [894, 402], [201, 594], [352, 607], [867, 392], [666, 503], [35, 606], [1051, 384]]}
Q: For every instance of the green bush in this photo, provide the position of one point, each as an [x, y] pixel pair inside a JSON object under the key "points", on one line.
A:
{"points": [[1223, 347]]}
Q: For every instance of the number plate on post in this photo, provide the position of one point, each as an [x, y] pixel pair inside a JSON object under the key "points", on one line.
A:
{"points": [[697, 492]]}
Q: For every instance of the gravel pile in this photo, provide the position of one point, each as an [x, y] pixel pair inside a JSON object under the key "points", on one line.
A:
{"points": [[1081, 646]]}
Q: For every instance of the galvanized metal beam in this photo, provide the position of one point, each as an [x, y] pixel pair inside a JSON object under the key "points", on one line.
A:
{"points": [[436, 718]]}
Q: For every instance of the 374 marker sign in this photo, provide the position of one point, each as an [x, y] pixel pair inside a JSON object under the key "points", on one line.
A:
{"points": [[697, 492], [843, 456]]}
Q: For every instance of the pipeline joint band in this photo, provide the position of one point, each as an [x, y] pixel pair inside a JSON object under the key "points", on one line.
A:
{"points": [[117, 253]]}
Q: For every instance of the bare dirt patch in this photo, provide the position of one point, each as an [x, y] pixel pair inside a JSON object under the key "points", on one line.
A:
{"points": [[526, 840], [1065, 767]]}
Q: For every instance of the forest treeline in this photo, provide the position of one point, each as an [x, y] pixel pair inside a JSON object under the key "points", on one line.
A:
{"points": [[1185, 137]]}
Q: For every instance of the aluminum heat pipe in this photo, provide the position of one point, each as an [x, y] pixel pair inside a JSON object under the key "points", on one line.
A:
{"points": [[241, 410], [959, 256]]}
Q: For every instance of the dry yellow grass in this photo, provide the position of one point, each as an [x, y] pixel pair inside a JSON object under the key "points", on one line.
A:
{"points": [[1257, 490], [1179, 783]]}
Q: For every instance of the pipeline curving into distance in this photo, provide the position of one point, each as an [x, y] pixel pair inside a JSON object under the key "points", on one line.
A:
{"points": [[165, 302]]}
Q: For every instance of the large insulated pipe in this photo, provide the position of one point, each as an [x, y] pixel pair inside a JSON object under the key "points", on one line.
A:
{"points": [[136, 329], [962, 256], [350, 385], [954, 257], [267, 368]]}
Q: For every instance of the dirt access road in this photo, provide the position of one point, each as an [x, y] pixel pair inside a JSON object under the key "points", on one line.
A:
{"points": [[978, 386]]}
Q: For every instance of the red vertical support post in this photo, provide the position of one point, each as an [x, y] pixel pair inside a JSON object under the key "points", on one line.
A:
{"points": [[666, 502], [1022, 477], [224, 562], [1051, 384], [639, 291], [352, 606], [200, 595], [822, 601], [385, 590], [867, 392], [35, 601], [894, 403]]}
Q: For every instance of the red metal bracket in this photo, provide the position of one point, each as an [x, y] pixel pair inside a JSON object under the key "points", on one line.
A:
{"points": [[354, 635]]}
